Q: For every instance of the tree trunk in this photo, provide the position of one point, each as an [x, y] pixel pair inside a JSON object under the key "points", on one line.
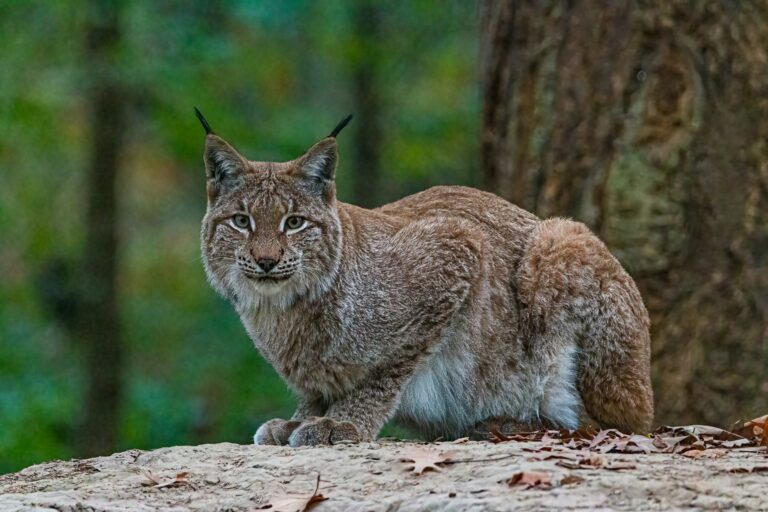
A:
{"points": [[711, 327], [648, 121], [99, 323]]}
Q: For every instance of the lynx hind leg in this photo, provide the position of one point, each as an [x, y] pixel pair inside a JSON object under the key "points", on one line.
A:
{"points": [[569, 281]]}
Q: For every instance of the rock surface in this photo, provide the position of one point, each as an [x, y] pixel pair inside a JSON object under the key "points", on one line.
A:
{"points": [[372, 477]]}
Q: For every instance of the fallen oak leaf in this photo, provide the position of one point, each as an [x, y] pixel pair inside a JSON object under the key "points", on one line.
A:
{"points": [[157, 482], [569, 456], [571, 479], [151, 478], [497, 436], [179, 479], [604, 440], [420, 459], [737, 443], [705, 430], [588, 461], [752, 469], [707, 453], [571, 465], [630, 444], [591, 460], [530, 480], [548, 438], [755, 429], [671, 444], [702, 436], [586, 433], [619, 465], [295, 502]]}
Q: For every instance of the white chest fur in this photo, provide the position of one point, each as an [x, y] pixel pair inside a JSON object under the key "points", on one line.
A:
{"points": [[438, 396]]}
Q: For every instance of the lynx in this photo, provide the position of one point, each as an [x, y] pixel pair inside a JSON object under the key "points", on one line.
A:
{"points": [[451, 311]]}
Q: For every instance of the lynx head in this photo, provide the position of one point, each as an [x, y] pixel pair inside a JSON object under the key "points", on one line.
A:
{"points": [[271, 233]]}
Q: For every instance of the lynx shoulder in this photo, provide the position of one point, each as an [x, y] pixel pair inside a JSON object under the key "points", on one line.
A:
{"points": [[450, 310]]}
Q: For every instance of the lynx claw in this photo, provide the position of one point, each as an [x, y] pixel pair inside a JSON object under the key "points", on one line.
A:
{"points": [[318, 431], [275, 432]]}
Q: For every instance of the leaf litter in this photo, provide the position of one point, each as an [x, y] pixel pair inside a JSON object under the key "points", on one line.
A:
{"points": [[691, 441], [585, 446], [712, 442]]}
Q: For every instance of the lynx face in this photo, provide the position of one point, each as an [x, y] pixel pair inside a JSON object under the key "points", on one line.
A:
{"points": [[271, 233]]}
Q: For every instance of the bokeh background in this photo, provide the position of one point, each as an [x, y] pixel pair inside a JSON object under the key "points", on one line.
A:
{"points": [[646, 120]]}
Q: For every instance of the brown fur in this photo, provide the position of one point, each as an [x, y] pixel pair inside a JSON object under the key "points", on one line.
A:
{"points": [[448, 309]]}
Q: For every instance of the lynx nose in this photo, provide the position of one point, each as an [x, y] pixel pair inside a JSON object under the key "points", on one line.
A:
{"points": [[266, 264]]}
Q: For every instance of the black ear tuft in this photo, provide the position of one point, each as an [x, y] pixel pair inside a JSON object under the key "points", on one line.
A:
{"points": [[202, 120], [342, 124]]}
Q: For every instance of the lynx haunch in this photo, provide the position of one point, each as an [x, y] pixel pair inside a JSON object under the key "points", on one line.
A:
{"points": [[451, 310]]}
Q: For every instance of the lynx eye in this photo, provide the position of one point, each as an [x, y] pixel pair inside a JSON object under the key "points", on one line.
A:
{"points": [[241, 221], [294, 223]]}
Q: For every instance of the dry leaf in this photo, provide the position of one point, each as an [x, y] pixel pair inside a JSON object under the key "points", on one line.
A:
{"points": [[557, 455], [295, 502], [698, 437], [159, 482], [591, 460], [755, 429], [420, 459], [151, 478], [585, 460], [496, 436], [530, 480], [753, 469], [707, 453], [617, 466], [571, 479], [737, 443]]}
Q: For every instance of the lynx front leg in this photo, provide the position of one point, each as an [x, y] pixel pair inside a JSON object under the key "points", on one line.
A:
{"points": [[432, 267], [358, 416], [278, 431]]}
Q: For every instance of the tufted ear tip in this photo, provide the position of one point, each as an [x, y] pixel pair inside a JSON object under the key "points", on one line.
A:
{"points": [[342, 124], [204, 122]]}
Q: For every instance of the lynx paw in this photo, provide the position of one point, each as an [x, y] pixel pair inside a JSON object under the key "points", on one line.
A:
{"points": [[275, 432], [315, 431]]}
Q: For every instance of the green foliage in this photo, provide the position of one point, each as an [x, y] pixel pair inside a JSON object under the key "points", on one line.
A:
{"points": [[272, 77]]}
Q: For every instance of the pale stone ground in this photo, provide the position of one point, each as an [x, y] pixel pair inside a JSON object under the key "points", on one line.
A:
{"points": [[370, 477]]}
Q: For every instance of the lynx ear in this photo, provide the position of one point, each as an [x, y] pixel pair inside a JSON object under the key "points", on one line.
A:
{"points": [[224, 166], [318, 165]]}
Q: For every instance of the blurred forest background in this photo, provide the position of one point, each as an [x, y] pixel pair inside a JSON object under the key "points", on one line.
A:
{"points": [[646, 120]]}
